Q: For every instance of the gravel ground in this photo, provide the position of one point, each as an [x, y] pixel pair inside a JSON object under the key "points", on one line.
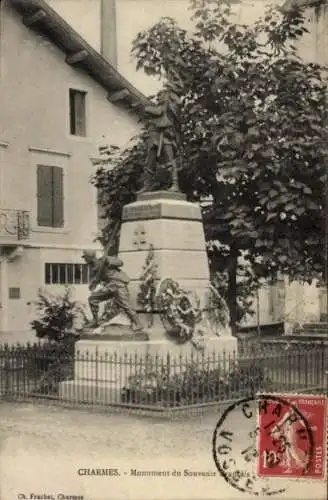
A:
{"points": [[43, 447]]}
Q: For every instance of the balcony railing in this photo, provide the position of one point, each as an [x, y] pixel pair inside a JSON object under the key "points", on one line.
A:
{"points": [[14, 225]]}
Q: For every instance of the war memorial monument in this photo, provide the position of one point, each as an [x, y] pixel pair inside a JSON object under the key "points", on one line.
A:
{"points": [[159, 300]]}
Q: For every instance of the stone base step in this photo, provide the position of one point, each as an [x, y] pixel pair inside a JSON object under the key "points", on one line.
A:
{"points": [[304, 338], [317, 333], [315, 327], [84, 391]]}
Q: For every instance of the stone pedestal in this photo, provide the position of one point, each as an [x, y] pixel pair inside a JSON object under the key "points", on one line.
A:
{"points": [[173, 228], [103, 367]]}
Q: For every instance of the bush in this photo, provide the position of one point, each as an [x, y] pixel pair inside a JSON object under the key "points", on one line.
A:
{"points": [[37, 368], [52, 362], [58, 316], [44, 355], [194, 385], [57, 371]]}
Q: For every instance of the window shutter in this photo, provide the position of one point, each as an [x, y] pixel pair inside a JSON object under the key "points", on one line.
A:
{"points": [[77, 112], [58, 197], [80, 113], [44, 195]]}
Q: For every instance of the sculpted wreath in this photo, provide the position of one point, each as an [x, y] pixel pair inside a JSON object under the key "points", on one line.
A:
{"points": [[177, 310]]}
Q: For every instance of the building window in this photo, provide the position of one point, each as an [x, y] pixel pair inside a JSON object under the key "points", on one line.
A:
{"points": [[50, 196], [77, 112], [66, 274], [14, 293]]}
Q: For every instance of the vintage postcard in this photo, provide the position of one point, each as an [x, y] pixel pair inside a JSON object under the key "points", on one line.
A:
{"points": [[163, 249]]}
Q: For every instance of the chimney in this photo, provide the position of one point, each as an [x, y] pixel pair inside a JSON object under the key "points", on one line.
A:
{"points": [[108, 34]]}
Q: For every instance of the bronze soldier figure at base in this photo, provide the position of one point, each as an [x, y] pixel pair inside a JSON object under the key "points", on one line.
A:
{"points": [[108, 281]]}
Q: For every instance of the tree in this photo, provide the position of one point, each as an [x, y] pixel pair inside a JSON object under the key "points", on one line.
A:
{"points": [[252, 138]]}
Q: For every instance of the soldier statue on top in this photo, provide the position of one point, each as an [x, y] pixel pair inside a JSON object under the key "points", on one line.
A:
{"points": [[163, 137], [109, 282]]}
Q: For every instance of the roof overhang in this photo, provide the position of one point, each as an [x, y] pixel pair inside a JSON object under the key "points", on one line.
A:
{"points": [[39, 16]]}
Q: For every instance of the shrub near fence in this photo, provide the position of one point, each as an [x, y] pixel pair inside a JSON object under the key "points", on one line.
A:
{"points": [[37, 371], [171, 382]]}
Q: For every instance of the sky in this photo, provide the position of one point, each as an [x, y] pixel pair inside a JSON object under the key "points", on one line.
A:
{"points": [[134, 16]]}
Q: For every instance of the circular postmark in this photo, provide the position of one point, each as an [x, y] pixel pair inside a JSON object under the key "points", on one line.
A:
{"points": [[241, 442]]}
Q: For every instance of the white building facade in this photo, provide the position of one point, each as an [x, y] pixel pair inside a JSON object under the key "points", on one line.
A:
{"points": [[59, 101]]}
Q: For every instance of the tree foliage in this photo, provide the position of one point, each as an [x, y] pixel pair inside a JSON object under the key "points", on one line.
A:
{"points": [[252, 137]]}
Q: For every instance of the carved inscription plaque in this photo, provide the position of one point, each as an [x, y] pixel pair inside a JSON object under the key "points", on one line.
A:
{"points": [[170, 210], [142, 212]]}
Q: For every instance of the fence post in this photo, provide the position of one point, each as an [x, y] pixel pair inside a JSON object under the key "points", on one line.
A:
{"points": [[306, 368], [7, 372], [169, 393], [7, 353], [96, 373]]}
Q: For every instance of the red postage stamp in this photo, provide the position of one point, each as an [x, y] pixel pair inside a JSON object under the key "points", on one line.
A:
{"points": [[292, 436]]}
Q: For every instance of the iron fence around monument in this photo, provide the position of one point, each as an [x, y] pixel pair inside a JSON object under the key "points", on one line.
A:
{"points": [[158, 383]]}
